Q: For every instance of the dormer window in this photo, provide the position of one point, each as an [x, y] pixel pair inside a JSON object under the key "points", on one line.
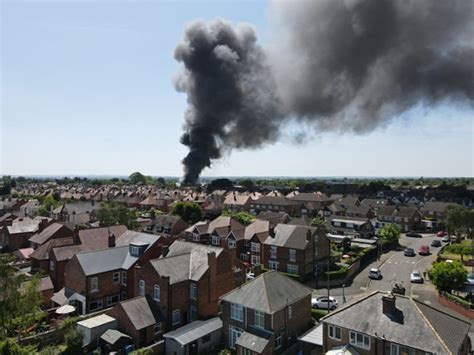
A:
{"points": [[134, 250]]}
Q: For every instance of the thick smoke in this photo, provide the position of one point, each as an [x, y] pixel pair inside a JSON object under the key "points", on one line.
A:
{"points": [[339, 65]]}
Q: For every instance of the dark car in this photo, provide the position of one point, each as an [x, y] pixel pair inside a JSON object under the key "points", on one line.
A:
{"points": [[436, 243], [413, 235], [409, 252], [424, 250]]}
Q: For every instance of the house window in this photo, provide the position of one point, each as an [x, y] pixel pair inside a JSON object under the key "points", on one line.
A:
{"points": [[259, 319], [234, 334], [236, 312], [156, 293], [193, 313], [255, 260], [157, 328], [94, 283], [95, 305], [124, 295], [216, 240], [278, 341], [255, 247], [111, 300], [232, 243], [334, 332], [290, 312], [273, 252], [141, 288], [292, 269], [273, 265], [51, 265], [396, 349], [245, 351], [350, 225], [336, 224], [124, 278], [360, 340], [116, 277], [134, 251], [176, 317], [292, 254], [243, 257], [196, 238], [193, 291]]}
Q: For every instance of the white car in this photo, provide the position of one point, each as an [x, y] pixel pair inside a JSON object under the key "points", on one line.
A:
{"points": [[416, 277], [470, 279], [375, 273], [250, 276], [322, 302]]}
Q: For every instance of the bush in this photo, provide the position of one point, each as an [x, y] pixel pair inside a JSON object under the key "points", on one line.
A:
{"points": [[336, 274], [461, 248], [317, 314], [447, 276], [458, 300]]}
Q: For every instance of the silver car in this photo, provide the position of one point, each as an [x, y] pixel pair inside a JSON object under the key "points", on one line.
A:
{"points": [[416, 277]]}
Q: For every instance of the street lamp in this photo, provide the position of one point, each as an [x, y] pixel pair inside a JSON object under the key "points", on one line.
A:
{"points": [[343, 296]]}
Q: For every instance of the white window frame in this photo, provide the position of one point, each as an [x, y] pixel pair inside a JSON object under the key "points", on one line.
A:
{"points": [[278, 342], [332, 332], [273, 265], [134, 251], [141, 287], [110, 302], [156, 293], [124, 278], [255, 247], [273, 251], [259, 319], [192, 291], [193, 309], [234, 334], [176, 314], [100, 305], [94, 284], [216, 240], [255, 260], [292, 255], [292, 269], [355, 342], [116, 277], [290, 311], [232, 244], [51, 265], [196, 237], [237, 312], [395, 349], [157, 329]]}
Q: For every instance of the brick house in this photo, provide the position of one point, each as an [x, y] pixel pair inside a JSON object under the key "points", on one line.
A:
{"points": [[394, 325], [352, 226], [16, 235], [140, 318], [255, 235], [436, 210], [101, 278], [406, 218], [312, 202], [167, 225], [295, 250], [81, 212], [187, 282], [235, 202], [276, 204], [258, 320], [40, 256], [52, 231]]}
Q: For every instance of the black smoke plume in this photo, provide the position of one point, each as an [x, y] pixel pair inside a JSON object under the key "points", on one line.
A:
{"points": [[347, 65]]}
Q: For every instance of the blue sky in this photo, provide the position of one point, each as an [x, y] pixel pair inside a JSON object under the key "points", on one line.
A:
{"points": [[87, 89]]}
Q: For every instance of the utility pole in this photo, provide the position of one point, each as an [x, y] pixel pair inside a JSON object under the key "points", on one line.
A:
{"points": [[327, 273]]}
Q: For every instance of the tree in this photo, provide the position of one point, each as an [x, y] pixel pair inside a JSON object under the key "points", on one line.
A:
{"points": [[390, 234], [220, 184], [137, 178], [49, 203], [321, 224], [111, 214], [188, 211], [460, 221], [247, 184], [244, 218], [448, 276]]}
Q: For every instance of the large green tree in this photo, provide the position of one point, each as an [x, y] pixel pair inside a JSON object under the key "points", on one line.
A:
{"points": [[389, 234], [188, 211], [448, 276], [137, 177], [111, 214], [321, 224], [460, 221]]}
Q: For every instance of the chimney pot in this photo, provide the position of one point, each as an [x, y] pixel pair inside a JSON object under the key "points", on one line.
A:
{"points": [[388, 304], [111, 240]]}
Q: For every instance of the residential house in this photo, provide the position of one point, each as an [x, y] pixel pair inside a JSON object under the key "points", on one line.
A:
{"points": [[80, 212], [404, 217], [395, 325], [101, 278], [40, 256], [276, 204], [52, 231], [352, 226], [187, 281], [167, 225], [374, 203], [436, 211], [139, 317], [274, 217], [235, 202], [16, 235], [266, 315], [255, 235], [312, 202], [295, 249]]}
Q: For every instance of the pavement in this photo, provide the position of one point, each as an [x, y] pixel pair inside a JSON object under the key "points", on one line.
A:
{"points": [[396, 268]]}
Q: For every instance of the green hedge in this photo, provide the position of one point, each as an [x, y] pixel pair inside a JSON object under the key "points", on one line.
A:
{"points": [[336, 274], [461, 248], [317, 314], [457, 300]]}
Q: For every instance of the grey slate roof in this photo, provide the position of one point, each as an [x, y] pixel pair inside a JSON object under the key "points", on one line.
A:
{"points": [[98, 261], [415, 325], [252, 342], [290, 236], [129, 237], [111, 336], [269, 293], [141, 311], [313, 336], [47, 233], [195, 330]]}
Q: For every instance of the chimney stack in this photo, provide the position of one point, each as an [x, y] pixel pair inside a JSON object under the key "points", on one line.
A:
{"points": [[388, 304], [164, 250], [308, 235], [111, 240]]}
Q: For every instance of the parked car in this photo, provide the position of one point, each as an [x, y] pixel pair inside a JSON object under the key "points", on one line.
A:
{"points": [[436, 243], [413, 235], [453, 238], [445, 239], [416, 277], [250, 276], [441, 234], [375, 274], [470, 279], [424, 250], [409, 252], [322, 302]]}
